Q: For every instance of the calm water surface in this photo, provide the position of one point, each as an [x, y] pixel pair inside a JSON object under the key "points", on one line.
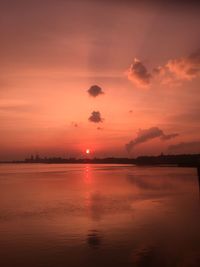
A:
{"points": [[98, 215]]}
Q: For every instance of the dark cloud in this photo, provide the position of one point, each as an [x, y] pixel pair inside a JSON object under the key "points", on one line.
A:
{"points": [[145, 135], [186, 147], [138, 74], [95, 90], [95, 117]]}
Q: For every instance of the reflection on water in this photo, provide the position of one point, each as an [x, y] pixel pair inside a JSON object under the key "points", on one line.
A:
{"points": [[98, 215], [198, 173], [94, 239]]}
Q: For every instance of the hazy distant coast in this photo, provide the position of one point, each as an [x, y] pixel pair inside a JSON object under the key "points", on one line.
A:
{"points": [[187, 160]]}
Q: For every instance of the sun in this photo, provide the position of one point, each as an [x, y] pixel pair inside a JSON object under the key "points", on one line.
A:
{"points": [[87, 151]]}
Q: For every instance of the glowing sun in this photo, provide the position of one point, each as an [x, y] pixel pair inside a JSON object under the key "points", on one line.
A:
{"points": [[87, 151]]}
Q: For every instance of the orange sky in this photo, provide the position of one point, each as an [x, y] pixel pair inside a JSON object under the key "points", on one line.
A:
{"points": [[145, 58]]}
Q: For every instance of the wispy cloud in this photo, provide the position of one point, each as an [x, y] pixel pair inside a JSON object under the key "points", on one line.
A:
{"points": [[185, 147], [21, 108], [145, 135], [169, 136], [188, 117]]}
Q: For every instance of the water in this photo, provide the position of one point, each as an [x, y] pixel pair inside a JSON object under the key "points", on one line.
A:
{"points": [[98, 215]]}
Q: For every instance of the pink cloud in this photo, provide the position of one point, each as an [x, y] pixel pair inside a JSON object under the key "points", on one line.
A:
{"points": [[138, 74], [174, 72]]}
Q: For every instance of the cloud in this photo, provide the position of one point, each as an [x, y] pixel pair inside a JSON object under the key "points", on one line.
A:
{"points": [[145, 135], [185, 147], [169, 136], [185, 68], [178, 70], [95, 117], [190, 117], [173, 72], [74, 124], [21, 108], [138, 74], [99, 128], [95, 90]]}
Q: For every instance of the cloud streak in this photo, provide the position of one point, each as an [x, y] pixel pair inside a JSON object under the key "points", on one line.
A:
{"points": [[165, 137], [18, 108], [145, 135], [185, 147]]}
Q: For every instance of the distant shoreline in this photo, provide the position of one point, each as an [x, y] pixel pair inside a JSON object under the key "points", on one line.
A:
{"points": [[181, 160]]}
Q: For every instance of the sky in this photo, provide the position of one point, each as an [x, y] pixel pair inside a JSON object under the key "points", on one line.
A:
{"points": [[120, 78]]}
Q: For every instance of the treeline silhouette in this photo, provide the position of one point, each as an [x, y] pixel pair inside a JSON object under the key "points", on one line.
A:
{"points": [[113, 160], [190, 160]]}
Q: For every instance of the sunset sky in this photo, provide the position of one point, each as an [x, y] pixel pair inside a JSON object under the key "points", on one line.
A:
{"points": [[116, 77]]}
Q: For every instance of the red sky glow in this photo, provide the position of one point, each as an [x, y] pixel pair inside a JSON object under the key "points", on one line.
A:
{"points": [[119, 78]]}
